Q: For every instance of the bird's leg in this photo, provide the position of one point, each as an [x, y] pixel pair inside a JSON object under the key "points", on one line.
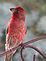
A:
{"points": [[19, 47], [22, 45]]}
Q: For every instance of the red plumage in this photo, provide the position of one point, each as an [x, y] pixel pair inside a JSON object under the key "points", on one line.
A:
{"points": [[16, 29]]}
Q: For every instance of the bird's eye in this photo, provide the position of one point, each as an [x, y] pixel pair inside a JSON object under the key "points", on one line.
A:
{"points": [[17, 11]]}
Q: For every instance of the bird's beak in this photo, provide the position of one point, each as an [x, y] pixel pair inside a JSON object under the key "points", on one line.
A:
{"points": [[12, 9]]}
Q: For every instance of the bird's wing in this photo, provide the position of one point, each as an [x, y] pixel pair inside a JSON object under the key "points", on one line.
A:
{"points": [[7, 30]]}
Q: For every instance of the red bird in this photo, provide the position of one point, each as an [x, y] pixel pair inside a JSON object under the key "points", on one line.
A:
{"points": [[16, 29]]}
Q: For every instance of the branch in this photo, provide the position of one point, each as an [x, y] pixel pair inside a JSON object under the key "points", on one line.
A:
{"points": [[35, 39], [26, 43], [30, 46], [33, 57], [10, 50]]}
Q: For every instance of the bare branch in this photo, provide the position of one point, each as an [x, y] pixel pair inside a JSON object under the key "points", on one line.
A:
{"points": [[30, 46], [26, 45], [36, 39]]}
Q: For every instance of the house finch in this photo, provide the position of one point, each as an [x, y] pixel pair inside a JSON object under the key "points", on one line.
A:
{"points": [[16, 29]]}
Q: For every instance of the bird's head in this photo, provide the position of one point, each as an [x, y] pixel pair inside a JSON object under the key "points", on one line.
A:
{"points": [[18, 12]]}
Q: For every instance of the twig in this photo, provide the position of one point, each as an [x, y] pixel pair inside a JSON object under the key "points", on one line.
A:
{"points": [[10, 50], [33, 57], [35, 39], [30, 46], [21, 53], [26, 45], [36, 49]]}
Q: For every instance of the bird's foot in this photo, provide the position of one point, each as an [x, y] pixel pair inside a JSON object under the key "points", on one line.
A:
{"points": [[22, 45]]}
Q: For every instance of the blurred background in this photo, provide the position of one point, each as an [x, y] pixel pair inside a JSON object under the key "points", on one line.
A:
{"points": [[35, 22]]}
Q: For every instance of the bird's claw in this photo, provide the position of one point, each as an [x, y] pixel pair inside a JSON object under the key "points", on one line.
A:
{"points": [[22, 45]]}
